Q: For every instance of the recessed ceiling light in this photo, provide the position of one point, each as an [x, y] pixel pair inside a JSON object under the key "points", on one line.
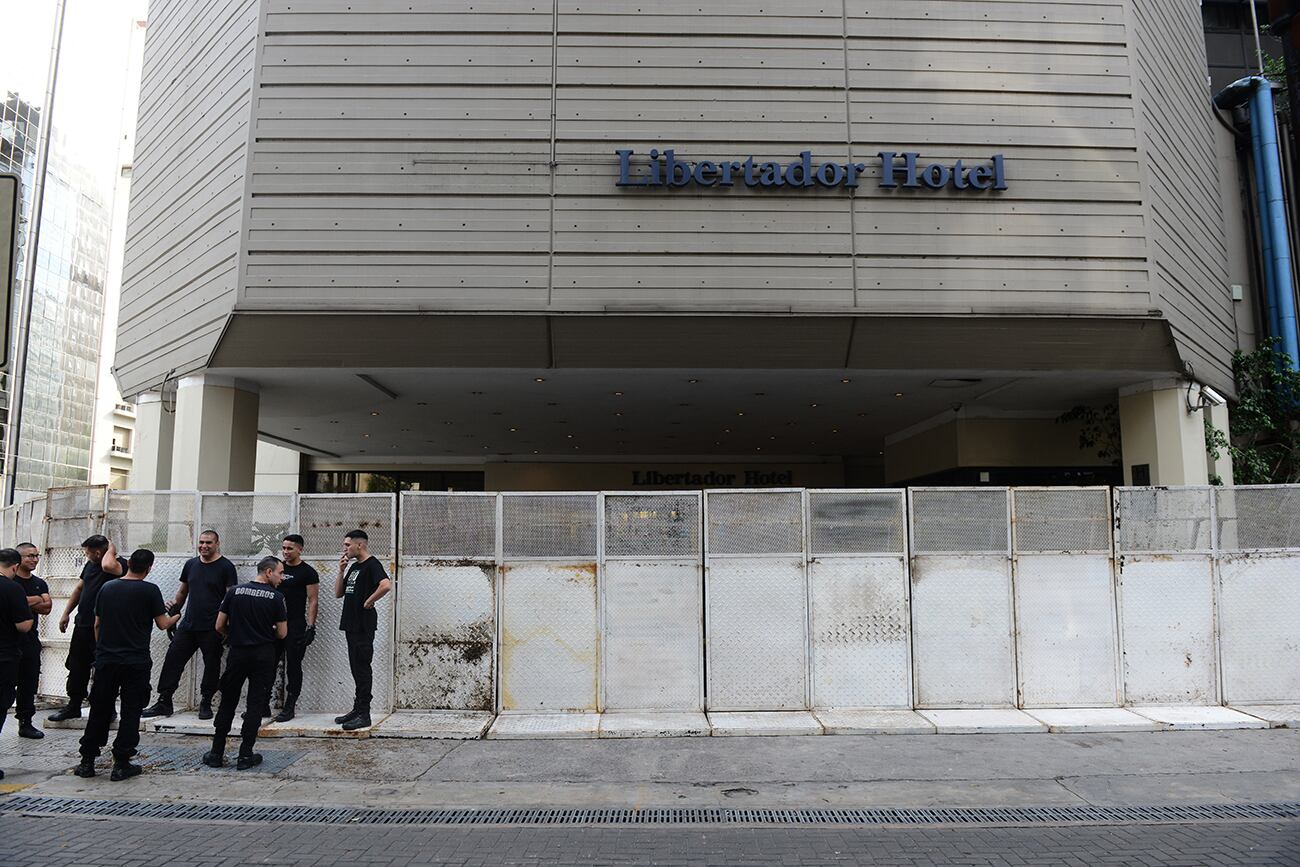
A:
{"points": [[448, 422], [771, 438], [366, 435], [514, 429], [726, 430], [846, 381], [375, 412], [575, 447], [692, 381], [812, 404], [568, 436], [740, 413], [618, 413], [535, 451], [898, 394], [758, 448], [835, 430], [539, 379], [862, 415], [618, 394]]}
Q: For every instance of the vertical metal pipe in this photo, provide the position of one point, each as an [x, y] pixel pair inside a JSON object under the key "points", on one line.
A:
{"points": [[1264, 124], [1254, 29], [1265, 233], [18, 379]]}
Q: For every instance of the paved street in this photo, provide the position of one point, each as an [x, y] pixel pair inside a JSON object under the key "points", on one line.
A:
{"points": [[1228, 767], [44, 842]]}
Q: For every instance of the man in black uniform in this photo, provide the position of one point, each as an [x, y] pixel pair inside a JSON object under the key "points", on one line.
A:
{"points": [[81, 651], [360, 585], [204, 582], [15, 621], [123, 612], [254, 616], [29, 668], [300, 588]]}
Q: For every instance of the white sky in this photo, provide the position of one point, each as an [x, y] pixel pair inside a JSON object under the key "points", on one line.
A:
{"points": [[92, 71]]}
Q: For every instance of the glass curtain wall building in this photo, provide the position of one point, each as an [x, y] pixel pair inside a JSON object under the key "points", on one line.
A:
{"points": [[67, 308]]}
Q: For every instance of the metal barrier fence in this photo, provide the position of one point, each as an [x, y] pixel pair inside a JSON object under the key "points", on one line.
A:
{"points": [[757, 599]]}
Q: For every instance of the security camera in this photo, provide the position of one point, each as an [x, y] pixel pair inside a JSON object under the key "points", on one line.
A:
{"points": [[1212, 397]]}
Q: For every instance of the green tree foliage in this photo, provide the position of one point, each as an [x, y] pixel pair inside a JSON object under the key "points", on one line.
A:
{"points": [[1098, 429], [1264, 436]]}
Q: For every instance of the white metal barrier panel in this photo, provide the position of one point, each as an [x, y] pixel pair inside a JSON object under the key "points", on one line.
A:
{"points": [[1066, 638], [961, 597], [1164, 547], [322, 520], [446, 602], [250, 526], [756, 600], [857, 577], [1259, 593], [167, 523], [549, 643], [72, 515], [652, 648]]}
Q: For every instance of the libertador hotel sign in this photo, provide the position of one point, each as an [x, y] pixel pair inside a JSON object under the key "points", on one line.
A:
{"points": [[905, 170]]}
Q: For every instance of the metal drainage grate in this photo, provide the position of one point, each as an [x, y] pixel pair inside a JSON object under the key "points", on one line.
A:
{"points": [[655, 816], [189, 759]]}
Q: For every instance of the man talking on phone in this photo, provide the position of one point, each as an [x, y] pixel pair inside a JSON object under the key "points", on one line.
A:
{"points": [[360, 583]]}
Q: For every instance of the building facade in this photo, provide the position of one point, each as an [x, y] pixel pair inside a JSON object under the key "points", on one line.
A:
{"points": [[67, 308], [515, 246]]}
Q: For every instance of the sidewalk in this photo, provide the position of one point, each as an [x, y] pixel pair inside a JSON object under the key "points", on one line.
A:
{"points": [[1137, 768]]}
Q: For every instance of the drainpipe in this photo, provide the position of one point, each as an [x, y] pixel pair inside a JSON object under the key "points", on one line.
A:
{"points": [[1280, 290]]}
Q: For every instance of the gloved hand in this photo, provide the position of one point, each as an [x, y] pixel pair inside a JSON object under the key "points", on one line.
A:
{"points": [[309, 636], [173, 610]]}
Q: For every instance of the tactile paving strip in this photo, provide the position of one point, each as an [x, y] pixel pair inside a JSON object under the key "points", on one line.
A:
{"points": [[1088, 815]]}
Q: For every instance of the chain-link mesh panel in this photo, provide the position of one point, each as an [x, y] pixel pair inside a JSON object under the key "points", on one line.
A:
{"points": [[755, 522], [162, 521], [646, 525], [968, 520], [74, 514], [1258, 518], [856, 522], [1062, 519], [324, 518], [549, 526], [166, 573], [449, 526], [249, 525], [1164, 519]]}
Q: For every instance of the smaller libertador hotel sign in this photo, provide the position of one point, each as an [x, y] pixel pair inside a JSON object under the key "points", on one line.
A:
{"points": [[663, 169]]}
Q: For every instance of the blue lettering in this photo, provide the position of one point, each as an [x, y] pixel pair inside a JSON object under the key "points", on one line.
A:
{"points": [[804, 168], [705, 174], [999, 172], [625, 170]]}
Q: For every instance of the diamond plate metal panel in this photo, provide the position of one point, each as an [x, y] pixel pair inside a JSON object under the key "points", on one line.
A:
{"points": [[1166, 609], [448, 526], [326, 679], [1258, 518], [856, 522], [959, 521], [1065, 628], [653, 641], [324, 518], [1259, 627], [549, 642], [652, 525], [1168, 520], [961, 631], [165, 522], [756, 628], [1061, 519], [446, 626], [250, 526], [549, 526], [755, 522], [861, 646]]}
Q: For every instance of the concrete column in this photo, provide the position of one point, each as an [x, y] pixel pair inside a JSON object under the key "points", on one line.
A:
{"points": [[1223, 466], [151, 459], [1161, 435], [216, 434]]}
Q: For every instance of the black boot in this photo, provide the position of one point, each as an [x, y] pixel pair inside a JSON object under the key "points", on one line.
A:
{"points": [[27, 730], [162, 707], [205, 708], [85, 769], [214, 759], [347, 716], [244, 762], [360, 721], [124, 771], [286, 712], [72, 711]]}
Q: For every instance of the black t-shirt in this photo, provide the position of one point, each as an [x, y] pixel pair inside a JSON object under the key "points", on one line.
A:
{"points": [[92, 578], [33, 586], [294, 587], [208, 583], [127, 609], [13, 610], [359, 582], [252, 610]]}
